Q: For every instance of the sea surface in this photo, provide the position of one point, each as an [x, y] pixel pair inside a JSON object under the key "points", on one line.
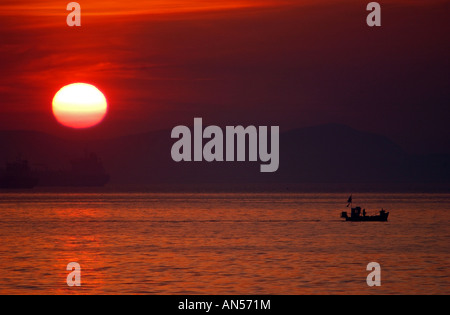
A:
{"points": [[143, 243]]}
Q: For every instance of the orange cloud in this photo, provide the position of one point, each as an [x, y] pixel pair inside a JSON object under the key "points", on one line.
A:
{"points": [[106, 7]]}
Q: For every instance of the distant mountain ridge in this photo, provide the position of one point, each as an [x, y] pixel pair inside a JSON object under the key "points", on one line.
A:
{"points": [[322, 154]]}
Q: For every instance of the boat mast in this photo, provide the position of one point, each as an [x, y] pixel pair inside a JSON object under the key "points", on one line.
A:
{"points": [[350, 201]]}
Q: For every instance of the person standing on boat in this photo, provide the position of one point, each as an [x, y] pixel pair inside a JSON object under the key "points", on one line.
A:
{"points": [[364, 212]]}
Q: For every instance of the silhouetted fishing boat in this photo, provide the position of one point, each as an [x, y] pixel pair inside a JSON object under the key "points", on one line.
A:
{"points": [[360, 215], [18, 175]]}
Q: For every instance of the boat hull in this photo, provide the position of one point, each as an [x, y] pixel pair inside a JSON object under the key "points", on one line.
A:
{"points": [[376, 218]]}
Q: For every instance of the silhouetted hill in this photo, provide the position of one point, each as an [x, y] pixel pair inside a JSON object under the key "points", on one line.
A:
{"points": [[38, 148], [336, 153], [322, 154]]}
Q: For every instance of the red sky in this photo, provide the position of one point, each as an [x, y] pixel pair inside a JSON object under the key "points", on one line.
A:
{"points": [[288, 63]]}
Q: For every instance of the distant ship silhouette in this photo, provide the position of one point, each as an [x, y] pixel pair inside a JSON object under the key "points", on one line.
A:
{"points": [[84, 172], [357, 216], [18, 175]]}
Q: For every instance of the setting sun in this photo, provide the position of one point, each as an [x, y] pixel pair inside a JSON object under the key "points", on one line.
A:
{"points": [[79, 105]]}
